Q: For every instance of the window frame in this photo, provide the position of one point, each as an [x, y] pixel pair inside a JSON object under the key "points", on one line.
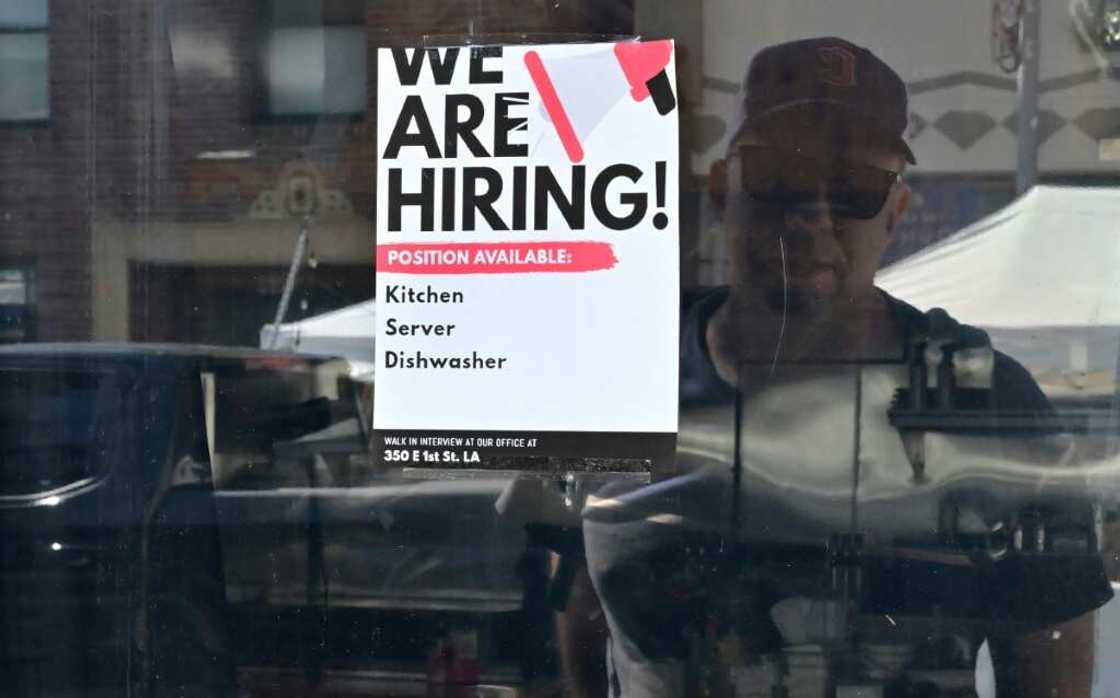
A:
{"points": [[30, 285]]}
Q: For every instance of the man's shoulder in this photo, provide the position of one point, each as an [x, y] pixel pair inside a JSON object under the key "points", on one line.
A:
{"points": [[1013, 387], [915, 322], [695, 298]]}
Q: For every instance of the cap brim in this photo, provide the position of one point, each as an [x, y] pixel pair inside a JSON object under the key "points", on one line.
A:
{"points": [[871, 121]]}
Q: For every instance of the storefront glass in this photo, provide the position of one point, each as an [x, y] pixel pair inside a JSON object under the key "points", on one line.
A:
{"points": [[299, 398]]}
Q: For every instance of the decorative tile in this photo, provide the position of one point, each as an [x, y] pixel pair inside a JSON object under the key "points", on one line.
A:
{"points": [[1100, 123], [1049, 123], [964, 128], [915, 125]]}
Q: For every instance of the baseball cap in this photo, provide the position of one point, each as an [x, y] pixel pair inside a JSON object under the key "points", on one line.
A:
{"points": [[829, 74]]}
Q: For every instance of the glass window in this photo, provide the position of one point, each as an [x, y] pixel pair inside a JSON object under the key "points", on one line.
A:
{"points": [[53, 425], [24, 92], [24, 14], [17, 304], [314, 59], [877, 240], [286, 429]]}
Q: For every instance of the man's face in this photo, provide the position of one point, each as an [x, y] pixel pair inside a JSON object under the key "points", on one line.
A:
{"points": [[831, 252]]}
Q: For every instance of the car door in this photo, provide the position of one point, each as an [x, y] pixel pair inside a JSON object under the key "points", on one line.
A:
{"points": [[69, 513]]}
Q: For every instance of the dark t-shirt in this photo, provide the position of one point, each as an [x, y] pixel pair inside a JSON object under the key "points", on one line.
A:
{"points": [[650, 599], [1037, 592], [1012, 386]]}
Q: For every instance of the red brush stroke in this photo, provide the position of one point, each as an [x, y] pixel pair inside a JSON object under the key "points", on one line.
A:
{"points": [[554, 106], [582, 256]]}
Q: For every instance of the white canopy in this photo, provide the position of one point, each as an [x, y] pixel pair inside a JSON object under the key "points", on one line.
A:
{"points": [[347, 332], [1041, 275], [1050, 259]]}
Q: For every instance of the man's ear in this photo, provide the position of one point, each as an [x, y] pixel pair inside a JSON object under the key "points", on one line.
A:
{"points": [[717, 182], [902, 200]]}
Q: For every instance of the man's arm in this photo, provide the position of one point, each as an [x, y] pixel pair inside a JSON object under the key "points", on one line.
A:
{"points": [[1058, 659]]}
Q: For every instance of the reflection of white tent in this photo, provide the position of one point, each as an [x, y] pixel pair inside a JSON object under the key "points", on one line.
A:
{"points": [[347, 332], [1041, 275]]}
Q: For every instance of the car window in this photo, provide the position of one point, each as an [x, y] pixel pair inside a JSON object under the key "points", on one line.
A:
{"points": [[272, 429], [55, 427]]}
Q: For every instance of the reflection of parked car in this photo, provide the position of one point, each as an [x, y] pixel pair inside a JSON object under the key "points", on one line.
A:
{"points": [[183, 520]]}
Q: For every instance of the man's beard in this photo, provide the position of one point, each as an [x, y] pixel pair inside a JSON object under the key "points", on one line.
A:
{"points": [[793, 301], [784, 290], [778, 285]]}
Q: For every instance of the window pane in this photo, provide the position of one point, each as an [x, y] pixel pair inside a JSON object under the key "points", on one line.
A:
{"points": [[23, 77], [23, 14], [316, 70], [345, 77], [49, 431], [862, 493], [13, 287]]}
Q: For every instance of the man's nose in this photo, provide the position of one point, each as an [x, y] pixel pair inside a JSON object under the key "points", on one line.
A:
{"points": [[811, 214]]}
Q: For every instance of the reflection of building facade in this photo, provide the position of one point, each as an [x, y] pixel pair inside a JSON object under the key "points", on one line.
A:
{"points": [[159, 160], [962, 120], [160, 157], [263, 115], [45, 172]]}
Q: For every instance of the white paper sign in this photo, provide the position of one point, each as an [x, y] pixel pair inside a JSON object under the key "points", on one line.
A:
{"points": [[527, 230]]}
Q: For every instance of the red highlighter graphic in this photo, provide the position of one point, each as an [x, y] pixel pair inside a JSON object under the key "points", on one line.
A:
{"points": [[576, 93]]}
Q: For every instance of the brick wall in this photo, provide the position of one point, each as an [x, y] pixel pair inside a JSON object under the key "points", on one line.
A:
{"points": [[140, 88], [45, 183], [211, 111]]}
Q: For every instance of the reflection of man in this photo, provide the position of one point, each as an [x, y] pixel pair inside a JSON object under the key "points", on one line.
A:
{"points": [[811, 190]]}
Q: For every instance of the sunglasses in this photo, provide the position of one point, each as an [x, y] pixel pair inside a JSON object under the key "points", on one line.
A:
{"points": [[782, 178]]}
